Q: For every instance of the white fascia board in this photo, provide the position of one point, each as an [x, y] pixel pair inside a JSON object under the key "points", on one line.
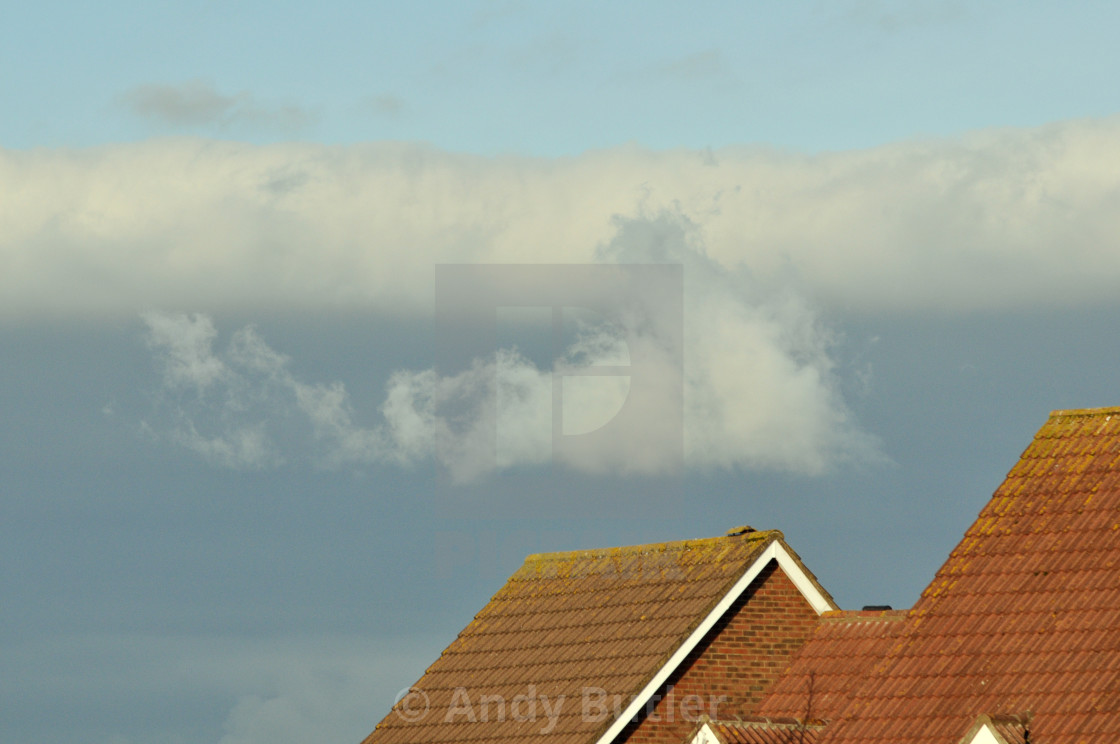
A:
{"points": [[705, 736], [985, 735], [804, 584], [774, 552]]}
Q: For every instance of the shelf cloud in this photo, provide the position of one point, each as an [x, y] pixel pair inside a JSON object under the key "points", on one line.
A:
{"points": [[995, 219], [768, 241]]}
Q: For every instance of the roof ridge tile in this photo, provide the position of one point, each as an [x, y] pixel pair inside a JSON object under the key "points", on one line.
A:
{"points": [[652, 548]]}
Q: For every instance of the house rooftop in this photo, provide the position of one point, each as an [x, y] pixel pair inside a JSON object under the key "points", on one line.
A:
{"points": [[757, 730], [832, 663], [1015, 640], [1023, 616], [610, 619]]}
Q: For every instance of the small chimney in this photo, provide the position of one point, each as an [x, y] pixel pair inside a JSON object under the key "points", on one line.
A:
{"points": [[735, 531]]}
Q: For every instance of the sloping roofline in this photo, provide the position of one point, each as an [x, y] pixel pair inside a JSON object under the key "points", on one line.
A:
{"points": [[1022, 613], [987, 729], [776, 551], [1085, 411], [756, 729]]}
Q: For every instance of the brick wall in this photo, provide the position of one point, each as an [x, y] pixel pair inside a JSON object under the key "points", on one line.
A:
{"points": [[736, 661]]}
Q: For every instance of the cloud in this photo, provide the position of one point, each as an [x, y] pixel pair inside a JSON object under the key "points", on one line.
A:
{"points": [[196, 103], [319, 689], [759, 385], [995, 219], [192, 103], [187, 341], [698, 66], [242, 407], [208, 393], [386, 105], [279, 690], [896, 17], [759, 391]]}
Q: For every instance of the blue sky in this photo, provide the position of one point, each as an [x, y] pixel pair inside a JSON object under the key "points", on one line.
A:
{"points": [[555, 78], [246, 492]]}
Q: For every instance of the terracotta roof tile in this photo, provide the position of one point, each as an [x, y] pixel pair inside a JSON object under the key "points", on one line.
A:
{"points": [[832, 663], [765, 730], [1012, 729], [1024, 614], [565, 623]]}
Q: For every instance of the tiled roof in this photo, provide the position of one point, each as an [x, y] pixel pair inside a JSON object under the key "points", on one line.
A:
{"points": [[1011, 728], [1025, 613], [1002, 728], [832, 663], [766, 731], [570, 624]]}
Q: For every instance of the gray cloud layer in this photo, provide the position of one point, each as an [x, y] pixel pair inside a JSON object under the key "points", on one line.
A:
{"points": [[289, 690], [196, 103]]}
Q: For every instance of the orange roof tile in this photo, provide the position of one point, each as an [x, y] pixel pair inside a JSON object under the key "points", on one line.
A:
{"points": [[565, 624], [832, 663], [761, 730], [1011, 728], [1025, 613]]}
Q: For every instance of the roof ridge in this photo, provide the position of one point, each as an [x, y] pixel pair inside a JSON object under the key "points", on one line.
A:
{"points": [[662, 547], [996, 623], [841, 616], [755, 721], [1064, 412]]}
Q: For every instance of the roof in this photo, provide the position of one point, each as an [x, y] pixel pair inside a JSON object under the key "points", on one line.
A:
{"points": [[832, 663], [1025, 613], [1011, 728], [565, 623], [999, 729], [757, 730]]}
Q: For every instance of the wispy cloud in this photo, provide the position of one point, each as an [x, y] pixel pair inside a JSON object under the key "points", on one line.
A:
{"points": [[197, 103], [188, 104], [242, 407], [895, 17], [208, 399], [700, 65], [759, 390], [386, 105], [278, 690], [188, 360]]}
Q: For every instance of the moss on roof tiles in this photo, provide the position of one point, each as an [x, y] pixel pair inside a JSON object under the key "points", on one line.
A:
{"points": [[1025, 612], [606, 618]]}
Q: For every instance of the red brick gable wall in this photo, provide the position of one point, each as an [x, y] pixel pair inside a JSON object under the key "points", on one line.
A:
{"points": [[727, 673]]}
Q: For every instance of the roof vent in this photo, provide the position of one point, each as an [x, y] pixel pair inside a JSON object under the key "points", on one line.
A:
{"points": [[740, 530], [876, 608]]}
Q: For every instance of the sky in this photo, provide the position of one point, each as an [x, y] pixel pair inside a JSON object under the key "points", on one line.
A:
{"points": [[315, 320]]}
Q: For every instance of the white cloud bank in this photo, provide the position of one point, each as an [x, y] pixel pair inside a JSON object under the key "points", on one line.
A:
{"points": [[996, 219]]}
